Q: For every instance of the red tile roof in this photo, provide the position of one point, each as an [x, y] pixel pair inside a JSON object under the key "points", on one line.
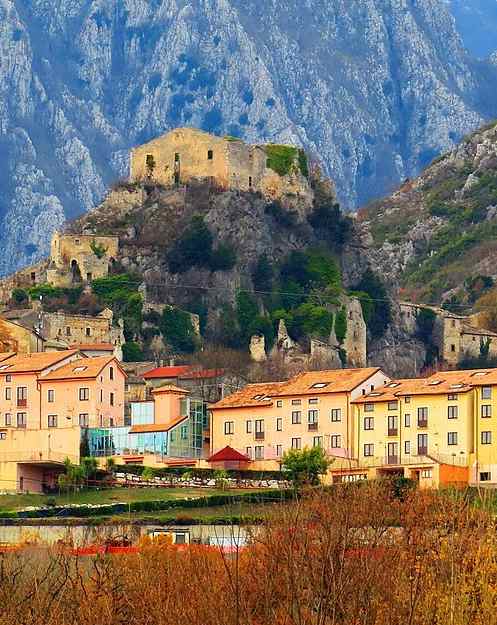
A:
{"points": [[202, 374], [228, 454], [167, 372]]}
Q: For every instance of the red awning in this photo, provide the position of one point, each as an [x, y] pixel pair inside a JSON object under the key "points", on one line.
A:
{"points": [[228, 454]]}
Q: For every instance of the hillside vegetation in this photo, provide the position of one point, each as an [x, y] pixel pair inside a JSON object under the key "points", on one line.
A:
{"points": [[436, 237]]}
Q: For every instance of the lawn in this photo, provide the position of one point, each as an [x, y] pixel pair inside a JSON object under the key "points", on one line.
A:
{"points": [[110, 495]]}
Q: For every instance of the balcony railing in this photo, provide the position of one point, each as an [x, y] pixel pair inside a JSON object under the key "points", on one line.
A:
{"points": [[422, 451], [393, 432], [312, 427], [422, 423], [22, 403], [392, 460], [259, 436]]}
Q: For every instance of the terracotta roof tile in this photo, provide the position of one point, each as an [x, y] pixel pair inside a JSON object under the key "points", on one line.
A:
{"points": [[228, 454], [246, 396], [334, 381], [34, 363], [156, 427], [167, 372], [80, 369], [202, 374], [169, 388]]}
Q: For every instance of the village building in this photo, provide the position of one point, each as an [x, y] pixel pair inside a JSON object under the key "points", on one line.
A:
{"points": [[186, 155], [47, 402], [263, 421]]}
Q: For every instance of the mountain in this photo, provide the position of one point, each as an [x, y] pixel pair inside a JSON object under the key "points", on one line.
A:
{"points": [[476, 21], [373, 89], [435, 239]]}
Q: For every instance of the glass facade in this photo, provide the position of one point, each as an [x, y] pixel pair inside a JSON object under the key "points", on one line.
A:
{"points": [[184, 440]]}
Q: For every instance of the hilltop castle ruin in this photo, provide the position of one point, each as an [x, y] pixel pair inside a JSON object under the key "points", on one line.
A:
{"points": [[185, 155]]}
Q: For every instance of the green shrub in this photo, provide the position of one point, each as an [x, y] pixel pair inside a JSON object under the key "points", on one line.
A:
{"points": [[132, 352], [281, 158], [222, 258], [20, 296], [330, 225], [283, 217], [98, 249], [303, 164], [380, 310], [305, 466], [262, 274], [177, 328], [341, 325]]}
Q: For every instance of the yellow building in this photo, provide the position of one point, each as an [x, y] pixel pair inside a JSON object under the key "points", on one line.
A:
{"points": [[314, 408]]}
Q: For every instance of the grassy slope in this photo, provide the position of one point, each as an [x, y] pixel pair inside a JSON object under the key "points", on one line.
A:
{"points": [[460, 232], [111, 495]]}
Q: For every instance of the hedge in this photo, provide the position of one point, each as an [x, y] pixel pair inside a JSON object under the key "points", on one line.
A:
{"points": [[137, 469], [152, 506]]}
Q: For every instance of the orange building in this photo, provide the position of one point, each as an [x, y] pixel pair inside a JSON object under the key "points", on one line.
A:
{"points": [[46, 402]]}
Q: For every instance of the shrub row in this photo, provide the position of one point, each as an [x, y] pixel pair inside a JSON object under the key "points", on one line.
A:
{"points": [[206, 474], [151, 506]]}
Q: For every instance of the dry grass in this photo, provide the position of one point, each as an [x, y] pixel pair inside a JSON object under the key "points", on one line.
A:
{"points": [[334, 559]]}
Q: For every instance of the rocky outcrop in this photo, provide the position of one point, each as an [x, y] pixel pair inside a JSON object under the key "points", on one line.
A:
{"points": [[373, 89]]}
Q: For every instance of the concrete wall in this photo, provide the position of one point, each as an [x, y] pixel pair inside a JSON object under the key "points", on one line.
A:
{"points": [[16, 338]]}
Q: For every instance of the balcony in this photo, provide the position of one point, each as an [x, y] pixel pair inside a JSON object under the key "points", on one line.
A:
{"points": [[392, 460], [259, 436], [393, 432], [422, 423], [422, 451], [22, 403], [312, 427]]}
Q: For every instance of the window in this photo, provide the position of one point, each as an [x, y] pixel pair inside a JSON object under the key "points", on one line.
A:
{"points": [[452, 412], [451, 438], [296, 402], [296, 443], [452, 397], [279, 403], [485, 476], [8, 378], [229, 427], [51, 396], [407, 447], [312, 416], [21, 419], [317, 441], [184, 432], [259, 452], [368, 449], [279, 451], [3, 436], [335, 441], [486, 438], [259, 428], [422, 417], [368, 407], [210, 155], [176, 157], [8, 418], [8, 393], [320, 385], [81, 369], [426, 473], [112, 399], [393, 405], [89, 276], [248, 452], [407, 399], [84, 394], [296, 417], [279, 424], [111, 373], [101, 395], [422, 444], [336, 414], [248, 427], [88, 331], [486, 392], [52, 420], [313, 400], [84, 420], [452, 348], [369, 423], [250, 181], [407, 420], [486, 411], [68, 331], [392, 425], [22, 396]]}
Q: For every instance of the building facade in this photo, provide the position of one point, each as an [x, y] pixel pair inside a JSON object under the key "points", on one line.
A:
{"points": [[47, 401], [185, 155], [263, 421]]}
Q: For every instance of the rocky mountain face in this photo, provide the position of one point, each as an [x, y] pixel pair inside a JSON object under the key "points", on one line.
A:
{"points": [[373, 89], [435, 238]]}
